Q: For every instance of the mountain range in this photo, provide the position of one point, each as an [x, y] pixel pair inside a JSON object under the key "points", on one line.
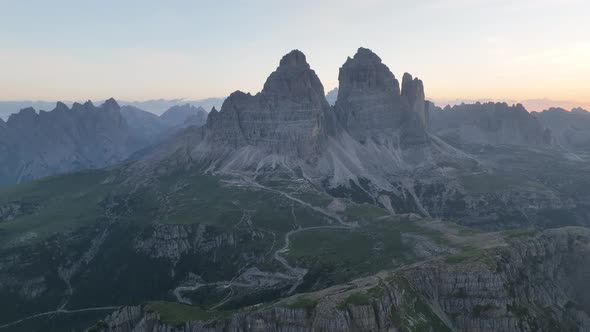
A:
{"points": [[570, 129], [34, 145], [283, 212], [376, 127], [156, 106], [490, 123]]}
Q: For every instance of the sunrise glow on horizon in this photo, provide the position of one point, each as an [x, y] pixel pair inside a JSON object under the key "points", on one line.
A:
{"points": [[466, 50]]}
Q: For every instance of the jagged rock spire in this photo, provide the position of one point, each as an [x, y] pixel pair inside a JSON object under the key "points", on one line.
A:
{"points": [[413, 90], [294, 60], [366, 74], [284, 117], [295, 80], [59, 106], [370, 105], [112, 104], [25, 115]]}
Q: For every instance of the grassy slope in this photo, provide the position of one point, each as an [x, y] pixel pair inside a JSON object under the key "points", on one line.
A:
{"points": [[338, 255], [62, 204], [67, 203]]}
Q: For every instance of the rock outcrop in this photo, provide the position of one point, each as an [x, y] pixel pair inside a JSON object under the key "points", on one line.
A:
{"points": [[11, 210], [579, 110], [374, 130], [332, 96], [284, 118], [534, 284], [570, 129], [183, 116], [85, 136], [489, 123], [34, 145], [370, 105]]}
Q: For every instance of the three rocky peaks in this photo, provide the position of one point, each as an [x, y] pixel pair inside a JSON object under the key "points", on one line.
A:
{"points": [[376, 127], [289, 124], [291, 113]]}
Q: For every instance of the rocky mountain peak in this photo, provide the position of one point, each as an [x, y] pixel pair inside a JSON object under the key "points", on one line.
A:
{"points": [[571, 129], [579, 110], [77, 106], [294, 60], [199, 117], [520, 108], [63, 140], [26, 115], [366, 74], [555, 110], [332, 96], [491, 123], [290, 123], [111, 104], [284, 118], [413, 90], [365, 54], [88, 105], [294, 80], [370, 105], [61, 107], [178, 115], [28, 112]]}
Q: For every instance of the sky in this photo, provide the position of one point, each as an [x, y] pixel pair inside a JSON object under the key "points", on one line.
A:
{"points": [[149, 49]]}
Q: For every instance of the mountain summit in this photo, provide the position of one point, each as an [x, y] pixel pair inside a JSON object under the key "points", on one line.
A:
{"points": [[374, 128], [34, 145], [370, 105], [283, 119], [45, 143]]}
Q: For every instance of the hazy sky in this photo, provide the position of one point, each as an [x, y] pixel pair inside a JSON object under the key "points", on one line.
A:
{"points": [[134, 50]]}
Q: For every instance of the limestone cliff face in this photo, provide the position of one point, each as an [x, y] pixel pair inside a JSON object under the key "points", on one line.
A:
{"points": [[570, 129], [35, 145], [374, 130], [534, 284], [284, 118], [490, 123], [370, 105]]}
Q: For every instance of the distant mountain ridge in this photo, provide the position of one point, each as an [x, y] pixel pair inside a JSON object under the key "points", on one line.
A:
{"points": [[570, 129], [34, 145], [332, 96], [375, 128], [489, 123], [532, 105], [85, 136], [155, 106], [178, 115], [382, 143]]}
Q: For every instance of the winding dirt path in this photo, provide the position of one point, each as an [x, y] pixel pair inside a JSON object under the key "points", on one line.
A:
{"points": [[293, 272]]}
